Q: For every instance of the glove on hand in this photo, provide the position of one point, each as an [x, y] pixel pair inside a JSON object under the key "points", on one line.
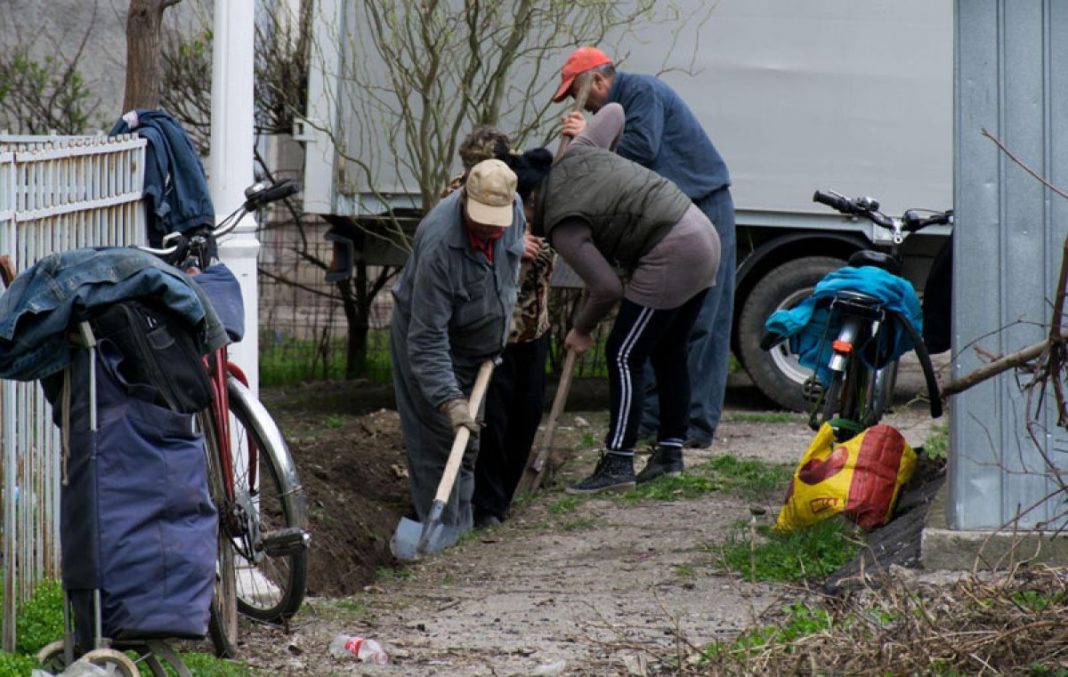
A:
{"points": [[460, 415]]}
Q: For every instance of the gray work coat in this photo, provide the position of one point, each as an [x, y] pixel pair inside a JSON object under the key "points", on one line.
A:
{"points": [[452, 311]]}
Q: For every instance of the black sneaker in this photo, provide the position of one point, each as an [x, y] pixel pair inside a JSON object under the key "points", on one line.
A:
{"points": [[664, 461], [697, 443], [486, 521], [614, 472]]}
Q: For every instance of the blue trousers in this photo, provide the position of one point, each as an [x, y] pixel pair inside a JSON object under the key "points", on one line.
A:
{"points": [[709, 344]]}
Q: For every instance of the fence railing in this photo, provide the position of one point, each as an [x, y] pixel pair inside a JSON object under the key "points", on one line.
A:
{"points": [[56, 193]]}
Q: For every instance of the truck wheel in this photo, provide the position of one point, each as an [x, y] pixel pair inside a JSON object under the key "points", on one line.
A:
{"points": [[776, 372]]}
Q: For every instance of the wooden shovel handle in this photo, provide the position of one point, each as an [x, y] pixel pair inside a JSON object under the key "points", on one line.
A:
{"points": [[583, 82], [7, 270], [463, 435], [535, 469]]}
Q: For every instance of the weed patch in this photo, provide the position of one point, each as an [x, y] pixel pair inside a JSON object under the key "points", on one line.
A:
{"points": [[800, 621], [808, 553], [750, 478], [936, 447], [767, 417]]}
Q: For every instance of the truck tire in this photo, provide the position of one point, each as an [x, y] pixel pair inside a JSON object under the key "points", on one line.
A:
{"points": [[776, 372]]}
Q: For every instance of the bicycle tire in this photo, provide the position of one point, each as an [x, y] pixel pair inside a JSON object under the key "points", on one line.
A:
{"points": [[271, 578], [222, 620]]}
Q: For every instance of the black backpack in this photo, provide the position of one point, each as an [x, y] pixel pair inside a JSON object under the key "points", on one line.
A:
{"points": [[161, 356]]}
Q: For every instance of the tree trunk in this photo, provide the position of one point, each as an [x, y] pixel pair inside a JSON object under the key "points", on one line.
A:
{"points": [[144, 59]]}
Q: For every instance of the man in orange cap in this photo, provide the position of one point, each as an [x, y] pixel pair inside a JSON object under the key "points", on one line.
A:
{"points": [[662, 133]]}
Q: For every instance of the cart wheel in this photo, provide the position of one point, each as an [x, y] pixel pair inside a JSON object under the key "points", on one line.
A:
{"points": [[114, 663], [51, 658]]}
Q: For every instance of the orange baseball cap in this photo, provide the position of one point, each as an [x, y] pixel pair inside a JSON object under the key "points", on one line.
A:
{"points": [[580, 61]]}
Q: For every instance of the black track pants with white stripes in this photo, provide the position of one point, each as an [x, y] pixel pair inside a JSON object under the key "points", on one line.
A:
{"points": [[641, 333]]}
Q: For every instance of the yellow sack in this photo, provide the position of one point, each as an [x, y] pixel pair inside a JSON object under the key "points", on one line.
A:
{"points": [[860, 478]]}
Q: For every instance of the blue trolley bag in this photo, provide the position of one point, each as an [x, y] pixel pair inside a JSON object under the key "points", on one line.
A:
{"points": [[137, 522]]}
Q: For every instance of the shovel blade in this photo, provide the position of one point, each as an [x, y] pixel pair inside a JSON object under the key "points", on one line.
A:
{"points": [[406, 541]]}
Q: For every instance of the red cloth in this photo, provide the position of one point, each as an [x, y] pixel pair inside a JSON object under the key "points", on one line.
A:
{"points": [[485, 246]]}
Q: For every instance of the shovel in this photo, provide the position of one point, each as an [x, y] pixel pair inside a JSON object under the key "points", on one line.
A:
{"points": [[532, 473], [412, 540]]}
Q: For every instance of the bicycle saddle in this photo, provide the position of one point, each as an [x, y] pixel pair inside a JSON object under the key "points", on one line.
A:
{"points": [[869, 257]]}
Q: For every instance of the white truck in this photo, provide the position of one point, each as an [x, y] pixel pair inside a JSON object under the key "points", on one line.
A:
{"points": [[853, 96]]}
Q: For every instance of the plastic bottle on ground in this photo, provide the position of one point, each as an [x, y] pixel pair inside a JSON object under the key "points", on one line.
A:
{"points": [[367, 650]]}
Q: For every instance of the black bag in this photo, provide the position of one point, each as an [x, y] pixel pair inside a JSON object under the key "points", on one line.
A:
{"points": [[159, 353]]}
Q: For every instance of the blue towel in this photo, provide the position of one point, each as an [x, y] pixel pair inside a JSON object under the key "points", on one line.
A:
{"points": [[811, 327]]}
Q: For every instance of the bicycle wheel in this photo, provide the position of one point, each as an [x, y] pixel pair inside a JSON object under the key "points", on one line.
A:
{"points": [[271, 548], [222, 621]]}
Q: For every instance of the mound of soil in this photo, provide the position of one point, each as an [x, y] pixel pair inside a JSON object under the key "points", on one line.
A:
{"points": [[356, 482], [354, 473]]}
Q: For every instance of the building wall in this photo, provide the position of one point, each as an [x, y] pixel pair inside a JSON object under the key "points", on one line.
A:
{"points": [[1012, 80]]}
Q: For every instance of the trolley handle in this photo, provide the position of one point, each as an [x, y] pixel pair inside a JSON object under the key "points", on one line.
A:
{"points": [[7, 270]]}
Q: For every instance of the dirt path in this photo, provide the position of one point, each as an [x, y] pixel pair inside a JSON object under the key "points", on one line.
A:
{"points": [[595, 586]]}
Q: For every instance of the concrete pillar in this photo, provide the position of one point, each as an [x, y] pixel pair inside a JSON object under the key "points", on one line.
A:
{"points": [[231, 162]]}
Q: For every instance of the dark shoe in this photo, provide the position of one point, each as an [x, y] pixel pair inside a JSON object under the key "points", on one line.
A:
{"points": [[696, 443], [664, 461], [614, 472], [486, 521]]}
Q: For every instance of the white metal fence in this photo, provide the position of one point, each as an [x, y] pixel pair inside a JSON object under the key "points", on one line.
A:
{"points": [[56, 193]]}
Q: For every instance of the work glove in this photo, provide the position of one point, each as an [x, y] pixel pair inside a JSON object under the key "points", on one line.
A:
{"points": [[460, 415]]}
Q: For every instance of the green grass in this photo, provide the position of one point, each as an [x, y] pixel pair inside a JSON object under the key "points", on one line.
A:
{"points": [[936, 447], [1034, 600], [353, 607], [398, 573], [810, 553], [749, 478], [690, 484], [766, 417], [801, 621], [285, 360], [40, 622], [206, 665], [565, 505], [16, 665]]}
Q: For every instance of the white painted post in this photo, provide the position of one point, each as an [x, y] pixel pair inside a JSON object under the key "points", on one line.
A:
{"points": [[232, 136]]}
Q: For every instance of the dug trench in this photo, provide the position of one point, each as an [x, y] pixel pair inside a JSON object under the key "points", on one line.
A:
{"points": [[592, 586]]}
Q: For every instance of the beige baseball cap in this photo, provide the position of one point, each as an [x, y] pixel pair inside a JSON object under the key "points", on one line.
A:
{"points": [[490, 192]]}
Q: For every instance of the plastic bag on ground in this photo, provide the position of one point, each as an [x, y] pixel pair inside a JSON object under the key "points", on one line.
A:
{"points": [[860, 478]]}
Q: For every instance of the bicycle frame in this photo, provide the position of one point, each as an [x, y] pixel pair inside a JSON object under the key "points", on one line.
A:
{"points": [[262, 513], [859, 389]]}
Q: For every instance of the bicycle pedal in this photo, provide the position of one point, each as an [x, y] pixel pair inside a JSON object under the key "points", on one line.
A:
{"points": [[812, 389], [283, 542]]}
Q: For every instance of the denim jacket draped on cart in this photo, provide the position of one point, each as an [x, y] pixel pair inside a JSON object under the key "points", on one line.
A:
{"points": [[38, 308]]}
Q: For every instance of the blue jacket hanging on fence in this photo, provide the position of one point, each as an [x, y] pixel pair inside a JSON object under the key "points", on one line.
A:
{"points": [[175, 184], [811, 326], [37, 309]]}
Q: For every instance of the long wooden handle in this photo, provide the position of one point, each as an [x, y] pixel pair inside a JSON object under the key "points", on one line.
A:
{"points": [[535, 469], [463, 435], [584, 80]]}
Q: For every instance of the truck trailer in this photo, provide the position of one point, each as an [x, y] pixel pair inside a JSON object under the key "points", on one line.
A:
{"points": [[849, 96]]}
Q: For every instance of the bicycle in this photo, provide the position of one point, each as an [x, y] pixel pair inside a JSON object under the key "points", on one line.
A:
{"points": [[263, 515], [865, 329]]}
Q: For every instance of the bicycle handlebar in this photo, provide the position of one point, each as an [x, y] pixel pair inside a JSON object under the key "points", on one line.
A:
{"points": [[868, 208], [256, 196]]}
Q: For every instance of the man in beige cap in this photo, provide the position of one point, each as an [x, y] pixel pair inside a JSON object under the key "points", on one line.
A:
{"points": [[452, 311]]}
